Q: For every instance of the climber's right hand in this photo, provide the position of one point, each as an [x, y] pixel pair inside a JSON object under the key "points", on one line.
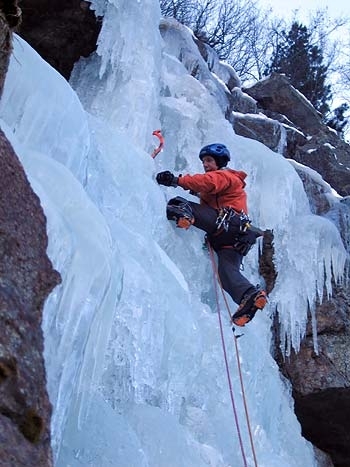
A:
{"points": [[166, 178]]}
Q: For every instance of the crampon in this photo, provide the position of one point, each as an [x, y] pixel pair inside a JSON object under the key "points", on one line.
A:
{"points": [[248, 307]]}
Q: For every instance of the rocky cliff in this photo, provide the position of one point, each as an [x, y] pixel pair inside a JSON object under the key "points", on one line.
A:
{"points": [[272, 112], [26, 279], [61, 31]]}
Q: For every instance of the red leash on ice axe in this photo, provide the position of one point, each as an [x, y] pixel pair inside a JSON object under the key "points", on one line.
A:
{"points": [[157, 150]]}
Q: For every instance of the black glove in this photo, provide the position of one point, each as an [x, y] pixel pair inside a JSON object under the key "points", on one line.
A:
{"points": [[166, 178]]}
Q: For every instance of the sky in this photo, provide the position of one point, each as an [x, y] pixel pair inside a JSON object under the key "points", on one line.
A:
{"points": [[282, 8]]}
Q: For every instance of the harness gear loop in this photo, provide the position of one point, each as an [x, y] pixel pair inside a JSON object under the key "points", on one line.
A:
{"points": [[226, 214], [234, 230], [218, 281], [157, 150], [224, 217]]}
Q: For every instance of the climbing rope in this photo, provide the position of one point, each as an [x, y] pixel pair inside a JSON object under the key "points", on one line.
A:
{"points": [[218, 281], [228, 373]]}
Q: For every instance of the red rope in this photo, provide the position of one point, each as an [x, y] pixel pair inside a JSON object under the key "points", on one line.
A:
{"points": [[226, 363], [216, 274], [245, 402]]}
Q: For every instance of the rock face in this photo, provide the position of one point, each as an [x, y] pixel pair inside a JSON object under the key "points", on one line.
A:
{"points": [[61, 31], [277, 95], [321, 381], [26, 279], [309, 141], [267, 131], [266, 266], [10, 16]]}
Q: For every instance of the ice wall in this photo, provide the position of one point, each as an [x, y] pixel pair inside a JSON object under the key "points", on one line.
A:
{"points": [[134, 358]]}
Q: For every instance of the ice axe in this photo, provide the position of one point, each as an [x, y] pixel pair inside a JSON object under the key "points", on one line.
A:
{"points": [[157, 150]]}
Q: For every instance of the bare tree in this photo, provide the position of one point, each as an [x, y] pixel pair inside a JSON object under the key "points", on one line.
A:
{"points": [[343, 84], [203, 14], [246, 36], [231, 23], [235, 29], [344, 68], [182, 10], [251, 50]]}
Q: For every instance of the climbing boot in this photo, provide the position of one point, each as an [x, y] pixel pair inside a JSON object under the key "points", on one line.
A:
{"points": [[184, 222], [180, 210], [248, 307]]}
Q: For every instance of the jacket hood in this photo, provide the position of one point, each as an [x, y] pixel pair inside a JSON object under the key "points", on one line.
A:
{"points": [[239, 173]]}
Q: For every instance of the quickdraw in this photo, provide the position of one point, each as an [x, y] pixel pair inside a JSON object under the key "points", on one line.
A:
{"points": [[157, 150], [225, 216]]}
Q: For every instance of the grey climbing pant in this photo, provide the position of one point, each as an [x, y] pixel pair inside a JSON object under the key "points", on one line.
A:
{"points": [[229, 260]]}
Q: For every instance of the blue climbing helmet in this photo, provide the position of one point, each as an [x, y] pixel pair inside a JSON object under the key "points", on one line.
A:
{"points": [[218, 151]]}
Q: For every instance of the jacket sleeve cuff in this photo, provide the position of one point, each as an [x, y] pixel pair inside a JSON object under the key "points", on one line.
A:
{"points": [[175, 182]]}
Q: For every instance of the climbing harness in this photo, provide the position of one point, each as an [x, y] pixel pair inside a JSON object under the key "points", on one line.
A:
{"points": [[217, 282], [226, 215], [157, 150], [234, 230]]}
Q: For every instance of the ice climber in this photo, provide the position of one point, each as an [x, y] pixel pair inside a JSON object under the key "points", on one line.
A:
{"points": [[223, 215]]}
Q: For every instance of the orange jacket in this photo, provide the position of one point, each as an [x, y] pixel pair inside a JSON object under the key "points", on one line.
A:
{"points": [[219, 188]]}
